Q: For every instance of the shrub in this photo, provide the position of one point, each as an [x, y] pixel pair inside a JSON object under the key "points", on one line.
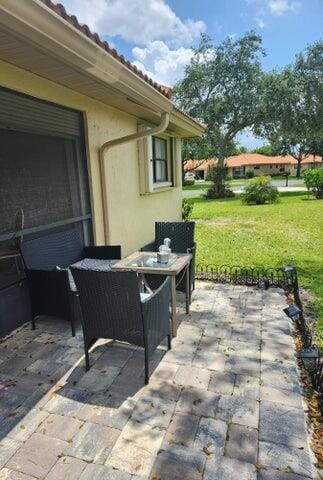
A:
{"points": [[259, 191], [313, 179], [187, 209], [250, 174], [189, 181]]}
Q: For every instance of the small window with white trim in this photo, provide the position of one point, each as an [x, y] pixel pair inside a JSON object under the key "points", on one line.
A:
{"points": [[159, 162]]}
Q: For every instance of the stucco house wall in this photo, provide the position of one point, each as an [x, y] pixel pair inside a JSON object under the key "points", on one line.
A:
{"points": [[131, 216], [275, 169]]}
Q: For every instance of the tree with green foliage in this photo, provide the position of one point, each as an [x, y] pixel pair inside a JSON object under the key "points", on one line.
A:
{"points": [[222, 87], [266, 149], [293, 106], [238, 150]]}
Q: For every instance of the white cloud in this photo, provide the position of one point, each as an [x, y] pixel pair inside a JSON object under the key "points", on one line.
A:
{"points": [[272, 7], [279, 7], [261, 24], [164, 65], [136, 21]]}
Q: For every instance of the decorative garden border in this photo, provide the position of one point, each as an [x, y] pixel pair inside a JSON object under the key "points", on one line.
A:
{"points": [[252, 276]]}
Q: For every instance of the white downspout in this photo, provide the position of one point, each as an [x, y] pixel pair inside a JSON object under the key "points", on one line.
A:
{"points": [[164, 121]]}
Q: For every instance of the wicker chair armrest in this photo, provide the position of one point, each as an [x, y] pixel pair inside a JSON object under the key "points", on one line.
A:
{"points": [[150, 247], [57, 271], [105, 252], [156, 308]]}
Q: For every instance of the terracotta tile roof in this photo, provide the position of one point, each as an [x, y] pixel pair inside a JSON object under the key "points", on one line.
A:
{"points": [[258, 159], [59, 9], [246, 159]]}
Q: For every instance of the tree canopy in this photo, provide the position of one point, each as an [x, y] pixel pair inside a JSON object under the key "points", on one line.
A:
{"points": [[225, 87], [293, 106], [265, 149], [221, 87]]}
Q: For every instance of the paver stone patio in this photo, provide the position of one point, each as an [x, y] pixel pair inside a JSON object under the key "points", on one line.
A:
{"points": [[224, 404]]}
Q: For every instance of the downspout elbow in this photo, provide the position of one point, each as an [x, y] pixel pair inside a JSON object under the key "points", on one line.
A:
{"points": [[161, 127]]}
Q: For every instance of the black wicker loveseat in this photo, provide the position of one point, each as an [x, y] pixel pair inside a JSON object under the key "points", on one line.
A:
{"points": [[112, 307], [46, 260], [181, 235]]}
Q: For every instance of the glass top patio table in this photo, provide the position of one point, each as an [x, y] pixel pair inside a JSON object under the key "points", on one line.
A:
{"points": [[147, 262]]}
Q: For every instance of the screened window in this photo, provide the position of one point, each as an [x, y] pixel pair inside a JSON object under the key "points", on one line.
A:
{"points": [[238, 171], [41, 175], [160, 160]]}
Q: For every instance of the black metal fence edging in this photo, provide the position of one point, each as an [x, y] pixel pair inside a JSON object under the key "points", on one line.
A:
{"points": [[311, 355], [252, 276]]}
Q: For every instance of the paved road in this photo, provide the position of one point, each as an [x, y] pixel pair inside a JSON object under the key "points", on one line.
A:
{"points": [[293, 186], [291, 183]]}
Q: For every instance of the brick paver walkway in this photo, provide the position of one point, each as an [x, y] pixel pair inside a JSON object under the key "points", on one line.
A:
{"points": [[223, 404]]}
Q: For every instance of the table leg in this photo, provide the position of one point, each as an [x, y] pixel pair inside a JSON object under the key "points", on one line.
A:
{"points": [[188, 289], [173, 306]]}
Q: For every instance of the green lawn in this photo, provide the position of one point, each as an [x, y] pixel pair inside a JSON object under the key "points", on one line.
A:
{"points": [[197, 186], [204, 185], [228, 232]]}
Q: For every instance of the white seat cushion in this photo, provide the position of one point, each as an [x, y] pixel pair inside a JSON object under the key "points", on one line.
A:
{"points": [[144, 296]]}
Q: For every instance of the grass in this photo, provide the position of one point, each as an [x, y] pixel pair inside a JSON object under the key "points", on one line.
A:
{"points": [[204, 185], [197, 186], [228, 232]]}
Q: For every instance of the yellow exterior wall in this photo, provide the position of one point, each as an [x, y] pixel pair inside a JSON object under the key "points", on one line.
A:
{"points": [[131, 216]]}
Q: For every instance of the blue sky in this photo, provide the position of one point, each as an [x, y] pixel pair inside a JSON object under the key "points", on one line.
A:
{"points": [[157, 35], [284, 32]]}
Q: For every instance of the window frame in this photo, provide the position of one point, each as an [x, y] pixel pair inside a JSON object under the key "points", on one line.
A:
{"points": [[163, 160], [239, 172], [169, 162]]}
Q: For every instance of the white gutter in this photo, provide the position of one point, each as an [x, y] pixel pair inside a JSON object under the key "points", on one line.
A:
{"points": [[164, 121]]}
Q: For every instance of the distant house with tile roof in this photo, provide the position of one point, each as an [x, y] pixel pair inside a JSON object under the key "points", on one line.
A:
{"points": [[239, 165]]}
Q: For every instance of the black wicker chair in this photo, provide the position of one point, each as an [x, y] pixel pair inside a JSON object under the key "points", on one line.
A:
{"points": [[111, 307], [182, 241], [46, 260]]}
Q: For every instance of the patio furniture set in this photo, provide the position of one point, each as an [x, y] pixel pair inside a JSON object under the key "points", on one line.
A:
{"points": [[130, 300]]}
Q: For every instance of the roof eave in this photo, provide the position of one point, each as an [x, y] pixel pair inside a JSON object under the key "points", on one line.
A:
{"points": [[35, 23], [186, 125]]}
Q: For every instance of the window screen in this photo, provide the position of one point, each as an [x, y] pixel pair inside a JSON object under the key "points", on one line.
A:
{"points": [[38, 174]]}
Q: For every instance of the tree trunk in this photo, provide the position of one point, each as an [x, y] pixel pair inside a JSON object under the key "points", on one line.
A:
{"points": [[221, 159], [298, 171]]}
